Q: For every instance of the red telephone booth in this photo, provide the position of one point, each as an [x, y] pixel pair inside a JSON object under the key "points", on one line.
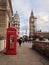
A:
{"points": [[11, 41]]}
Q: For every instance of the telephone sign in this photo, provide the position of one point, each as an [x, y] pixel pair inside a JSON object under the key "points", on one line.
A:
{"points": [[11, 41]]}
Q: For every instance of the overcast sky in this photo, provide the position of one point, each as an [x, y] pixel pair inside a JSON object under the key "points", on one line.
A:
{"points": [[40, 9]]}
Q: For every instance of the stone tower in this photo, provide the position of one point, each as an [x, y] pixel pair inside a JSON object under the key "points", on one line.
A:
{"points": [[31, 25], [16, 22]]}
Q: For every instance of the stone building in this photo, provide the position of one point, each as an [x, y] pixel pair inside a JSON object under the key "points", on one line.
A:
{"points": [[31, 24], [5, 15], [16, 22], [44, 34]]}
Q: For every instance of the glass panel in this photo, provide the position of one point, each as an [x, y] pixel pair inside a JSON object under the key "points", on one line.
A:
{"points": [[11, 42]]}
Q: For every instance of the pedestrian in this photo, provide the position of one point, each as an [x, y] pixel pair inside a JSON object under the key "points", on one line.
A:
{"points": [[23, 40], [20, 42]]}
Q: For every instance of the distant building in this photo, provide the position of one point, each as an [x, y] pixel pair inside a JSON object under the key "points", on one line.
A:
{"points": [[16, 22], [44, 34], [31, 25], [5, 15]]}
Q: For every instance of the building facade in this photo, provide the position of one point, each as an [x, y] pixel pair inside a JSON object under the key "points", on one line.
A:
{"points": [[31, 25], [16, 23], [44, 34], [5, 15]]}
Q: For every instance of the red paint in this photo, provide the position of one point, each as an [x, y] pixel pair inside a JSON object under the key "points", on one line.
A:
{"points": [[11, 41]]}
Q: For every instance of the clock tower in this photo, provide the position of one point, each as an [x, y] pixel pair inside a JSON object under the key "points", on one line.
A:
{"points": [[31, 25]]}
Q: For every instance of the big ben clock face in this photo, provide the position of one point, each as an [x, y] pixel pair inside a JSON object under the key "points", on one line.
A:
{"points": [[31, 19]]}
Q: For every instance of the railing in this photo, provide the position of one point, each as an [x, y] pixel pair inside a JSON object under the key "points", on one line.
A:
{"points": [[42, 47]]}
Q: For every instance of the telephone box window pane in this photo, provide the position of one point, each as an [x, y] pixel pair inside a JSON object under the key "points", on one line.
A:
{"points": [[11, 42]]}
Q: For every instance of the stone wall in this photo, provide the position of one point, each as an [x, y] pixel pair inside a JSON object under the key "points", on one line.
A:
{"points": [[2, 22], [5, 16], [2, 3], [42, 47]]}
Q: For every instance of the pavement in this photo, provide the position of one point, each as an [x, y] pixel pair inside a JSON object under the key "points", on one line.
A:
{"points": [[25, 56]]}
